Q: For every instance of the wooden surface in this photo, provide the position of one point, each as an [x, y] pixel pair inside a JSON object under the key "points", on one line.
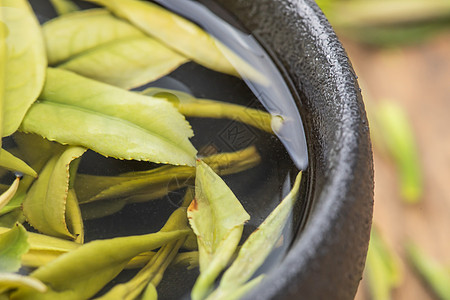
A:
{"points": [[417, 77]]}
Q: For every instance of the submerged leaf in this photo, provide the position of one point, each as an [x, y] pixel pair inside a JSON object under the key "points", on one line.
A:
{"points": [[46, 201], [257, 247], [9, 193], [109, 120], [13, 244], [15, 164], [127, 63], [182, 35], [22, 58], [190, 106], [64, 6], [217, 218], [11, 281], [74, 33]]}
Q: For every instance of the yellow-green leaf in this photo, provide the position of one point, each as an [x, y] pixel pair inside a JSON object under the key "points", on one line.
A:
{"points": [[217, 218], [15, 164], [9, 193], [46, 201], [111, 121], [74, 33], [11, 281], [182, 35], [257, 247], [22, 62], [81, 273], [13, 244], [127, 63], [74, 219]]}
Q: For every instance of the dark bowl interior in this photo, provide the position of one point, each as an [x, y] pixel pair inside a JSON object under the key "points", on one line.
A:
{"points": [[327, 257]]}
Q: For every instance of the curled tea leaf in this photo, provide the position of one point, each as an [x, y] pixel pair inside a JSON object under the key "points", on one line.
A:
{"points": [[13, 244], [217, 218], [46, 201], [9, 193], [12, 163], [11, 281]]}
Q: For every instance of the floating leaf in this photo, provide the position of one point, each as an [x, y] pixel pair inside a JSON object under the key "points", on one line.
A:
{"points": [[190, 106], [12, 163], [22, 58], [64, 6], [109, 120], [9, 193], [434, 273], [217, 218], [182, 35], [11, 281], [46, 201], [257, 247], [13, 244], [74, 33], [127, 63], [81, 273]]}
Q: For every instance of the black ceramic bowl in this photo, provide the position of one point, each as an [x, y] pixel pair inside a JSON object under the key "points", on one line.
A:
{"points": [[327, 257]]}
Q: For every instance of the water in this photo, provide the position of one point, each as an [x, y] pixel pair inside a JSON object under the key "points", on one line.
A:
{"points": [[259, 189]]}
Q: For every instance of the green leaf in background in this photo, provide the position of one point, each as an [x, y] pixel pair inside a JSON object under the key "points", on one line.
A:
{"points": [[217, 218], [69, 35], [257, 247], [6, 197], [22, 58], [45, 204], [126, 63], [13, 244], [382, 268], [435, 274], [190, 106], [12, 163], [64, 6], [109, 120], [182, 35], [11, 281], [398, 137], [81, 273]]}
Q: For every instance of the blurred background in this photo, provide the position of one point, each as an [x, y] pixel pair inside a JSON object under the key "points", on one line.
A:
{"points": [[400, 50]]}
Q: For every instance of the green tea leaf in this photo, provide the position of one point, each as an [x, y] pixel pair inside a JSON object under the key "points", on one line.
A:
{"points": [[9, 219], [9, 193], [73, 217], [205, 108], [11, 281], [13, 163], [217, 218], [64, 6], [22, 58], [81, 273], [127, 63], [71, 34], [46, 201], [13, 244], [257, 247], [109, 120], [182, 35], [434, 273], [150, 293]]}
